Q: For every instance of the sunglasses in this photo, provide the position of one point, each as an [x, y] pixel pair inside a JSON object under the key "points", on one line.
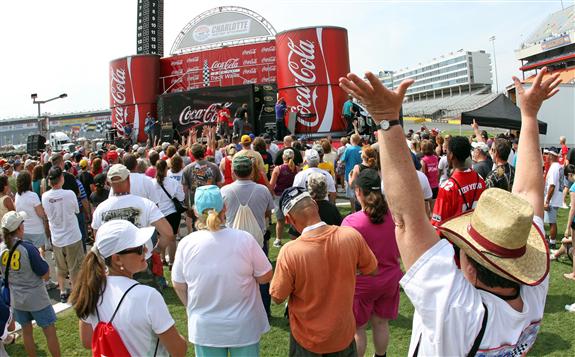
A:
{"points": [[138, 250]]}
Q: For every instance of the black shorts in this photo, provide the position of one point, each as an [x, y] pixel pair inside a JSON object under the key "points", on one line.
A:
{"points": [[296, 350], [174, 221], [434, 191], [572, 225]]}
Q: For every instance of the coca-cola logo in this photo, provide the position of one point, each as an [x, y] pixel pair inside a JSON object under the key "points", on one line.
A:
{"points": [[118, 85], [301, 65], [249, 71], [249, 81], [229, 64], [269, 59], [121, 115], [177, 63], [193, 59], [268, 49], [249, 52], [195, 116], [178, 71], [194, 78], [269, 68], [192, 69], [250, 62], [269, 79]]}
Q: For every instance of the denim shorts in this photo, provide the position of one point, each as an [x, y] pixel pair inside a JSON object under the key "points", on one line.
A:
{"points": [[551, 215], [43, 318]]}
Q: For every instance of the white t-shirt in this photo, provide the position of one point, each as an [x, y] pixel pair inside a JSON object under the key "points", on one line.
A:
{"points": [[553, 177], [176, 175], [141, 185], [142, 316], [61, 207], [443, 167], [27, 202], [140, 211], [225, 308], [449, 310], [423, 182], [174, 188], [300, 179]]}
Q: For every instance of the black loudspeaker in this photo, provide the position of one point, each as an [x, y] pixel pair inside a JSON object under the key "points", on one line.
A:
{"points": [[35, 144]]}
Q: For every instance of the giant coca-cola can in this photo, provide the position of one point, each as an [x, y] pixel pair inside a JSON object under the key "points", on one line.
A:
{"points": [[310, 62], [133, 92]]}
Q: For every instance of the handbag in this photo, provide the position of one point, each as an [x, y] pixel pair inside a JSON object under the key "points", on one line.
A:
{"points": [[177, 204], [6, 287]]}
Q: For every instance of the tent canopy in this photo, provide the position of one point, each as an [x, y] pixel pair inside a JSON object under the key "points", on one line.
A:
{"points": [[501, 112]]}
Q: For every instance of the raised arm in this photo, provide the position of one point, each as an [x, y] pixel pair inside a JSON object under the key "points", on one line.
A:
{"points": [[415, 235], [477, 132], [528, 171]]}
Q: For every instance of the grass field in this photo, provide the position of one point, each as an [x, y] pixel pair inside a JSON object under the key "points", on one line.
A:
{"points": [[555, 339]]}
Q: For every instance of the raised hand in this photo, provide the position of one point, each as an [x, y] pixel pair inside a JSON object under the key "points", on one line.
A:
{"points": [[532, 98], [382, 103], [474, 125]]}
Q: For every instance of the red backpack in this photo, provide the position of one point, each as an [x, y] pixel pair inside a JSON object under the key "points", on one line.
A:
{"points": [[106, 341]]}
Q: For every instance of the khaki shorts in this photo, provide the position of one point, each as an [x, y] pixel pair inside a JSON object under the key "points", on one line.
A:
{"points": [[69, 258]]}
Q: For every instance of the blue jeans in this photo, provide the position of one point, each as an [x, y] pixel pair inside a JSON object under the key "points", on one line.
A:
{"points": [[244, 351]]}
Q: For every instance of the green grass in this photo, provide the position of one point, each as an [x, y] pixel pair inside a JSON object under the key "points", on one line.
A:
{"points": [[555, 338]]}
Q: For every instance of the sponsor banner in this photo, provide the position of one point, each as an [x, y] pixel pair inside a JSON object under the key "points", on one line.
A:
{"points": [[556, 42], [229, 66], [133, 87], [197, 107], [309, 63]]}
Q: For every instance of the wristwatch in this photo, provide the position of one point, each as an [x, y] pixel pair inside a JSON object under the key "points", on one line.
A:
{"points": [[385, 125]]}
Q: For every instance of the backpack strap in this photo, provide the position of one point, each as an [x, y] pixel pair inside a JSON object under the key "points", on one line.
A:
{"points": [[248, 201], [476, 343], [165, 191], [9, 262], [121, 300], [479, 337]]}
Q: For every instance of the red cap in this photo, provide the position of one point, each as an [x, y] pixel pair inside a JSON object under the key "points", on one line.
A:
{"points": [[112, 155]]}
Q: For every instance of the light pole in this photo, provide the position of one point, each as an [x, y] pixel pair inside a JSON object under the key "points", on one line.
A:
{"points": [[492, 39], [34, 96]]}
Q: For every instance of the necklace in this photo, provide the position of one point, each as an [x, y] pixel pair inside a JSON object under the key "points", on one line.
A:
{"points": [[121, 193]]}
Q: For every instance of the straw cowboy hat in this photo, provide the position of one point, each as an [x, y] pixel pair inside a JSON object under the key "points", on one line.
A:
{"points": [[500, 235]]}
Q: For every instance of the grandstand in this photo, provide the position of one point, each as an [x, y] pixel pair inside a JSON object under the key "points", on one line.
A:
{"points": [[552, 45], [446, 86]]}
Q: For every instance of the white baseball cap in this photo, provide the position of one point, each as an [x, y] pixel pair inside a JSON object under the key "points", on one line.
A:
{"points": [[118, 171], [12, 220], [481, 146], [312, 157], [118, 235]]}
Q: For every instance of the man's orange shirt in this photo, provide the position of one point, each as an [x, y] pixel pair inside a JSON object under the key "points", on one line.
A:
{"points": [[317, 272]]}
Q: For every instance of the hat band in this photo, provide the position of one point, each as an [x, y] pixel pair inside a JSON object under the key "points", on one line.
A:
{"points": [[495, 248]]}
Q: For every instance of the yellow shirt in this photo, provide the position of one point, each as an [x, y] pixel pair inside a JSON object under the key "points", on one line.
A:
{"points": [[327, 166]]}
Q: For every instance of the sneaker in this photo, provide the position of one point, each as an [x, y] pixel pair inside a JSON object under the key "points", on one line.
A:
{"points": [[277, 243], [570, 308], [64, 297], [551, 243], [564, 206]]}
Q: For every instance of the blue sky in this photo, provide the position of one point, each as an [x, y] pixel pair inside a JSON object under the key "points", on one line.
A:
{"points": [[50, 47]]}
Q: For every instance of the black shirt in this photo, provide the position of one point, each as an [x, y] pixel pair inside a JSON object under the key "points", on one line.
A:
{"points": [[97, 198], [483, 168], [87, 180], [241, 113], [571, 156], [297, 159], [71, 184]]}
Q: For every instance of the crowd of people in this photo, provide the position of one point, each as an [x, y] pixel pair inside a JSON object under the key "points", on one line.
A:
{"points": [[205, 208]]}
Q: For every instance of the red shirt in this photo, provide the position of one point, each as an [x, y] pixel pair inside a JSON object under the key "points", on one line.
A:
{"points": [[564, 151], [224, 115], [453, 200]]}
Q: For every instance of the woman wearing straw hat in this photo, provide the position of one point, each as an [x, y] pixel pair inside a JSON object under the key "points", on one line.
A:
{"points": [[105, 291], [495, 303], [216, 275]]}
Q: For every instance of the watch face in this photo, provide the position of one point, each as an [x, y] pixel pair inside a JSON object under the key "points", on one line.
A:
{"points": [[385, 125]]}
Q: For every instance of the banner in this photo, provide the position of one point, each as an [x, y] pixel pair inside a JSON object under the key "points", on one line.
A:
{"points": [[194, 108], [310, 62], [229, 66], [133, 92]]}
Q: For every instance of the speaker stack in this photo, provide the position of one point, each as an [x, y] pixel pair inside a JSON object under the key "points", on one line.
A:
{"points": [[35, 144]]}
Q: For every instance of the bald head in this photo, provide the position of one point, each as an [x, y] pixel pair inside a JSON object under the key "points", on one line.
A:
{"points": [[288, 141]]}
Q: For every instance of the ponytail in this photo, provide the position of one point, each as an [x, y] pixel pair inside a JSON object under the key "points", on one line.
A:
{"points": [[371, 162], [90, 284], [161, 168], [291, 164], [8, 238], [375, 206], [210, 220]]}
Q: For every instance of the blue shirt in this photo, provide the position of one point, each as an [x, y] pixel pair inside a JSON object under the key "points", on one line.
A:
{"points": [[347, 108], [351, 157], [280, 111]]}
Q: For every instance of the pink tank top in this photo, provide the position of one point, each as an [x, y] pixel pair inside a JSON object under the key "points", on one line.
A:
{"points": [[432, 172]]}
